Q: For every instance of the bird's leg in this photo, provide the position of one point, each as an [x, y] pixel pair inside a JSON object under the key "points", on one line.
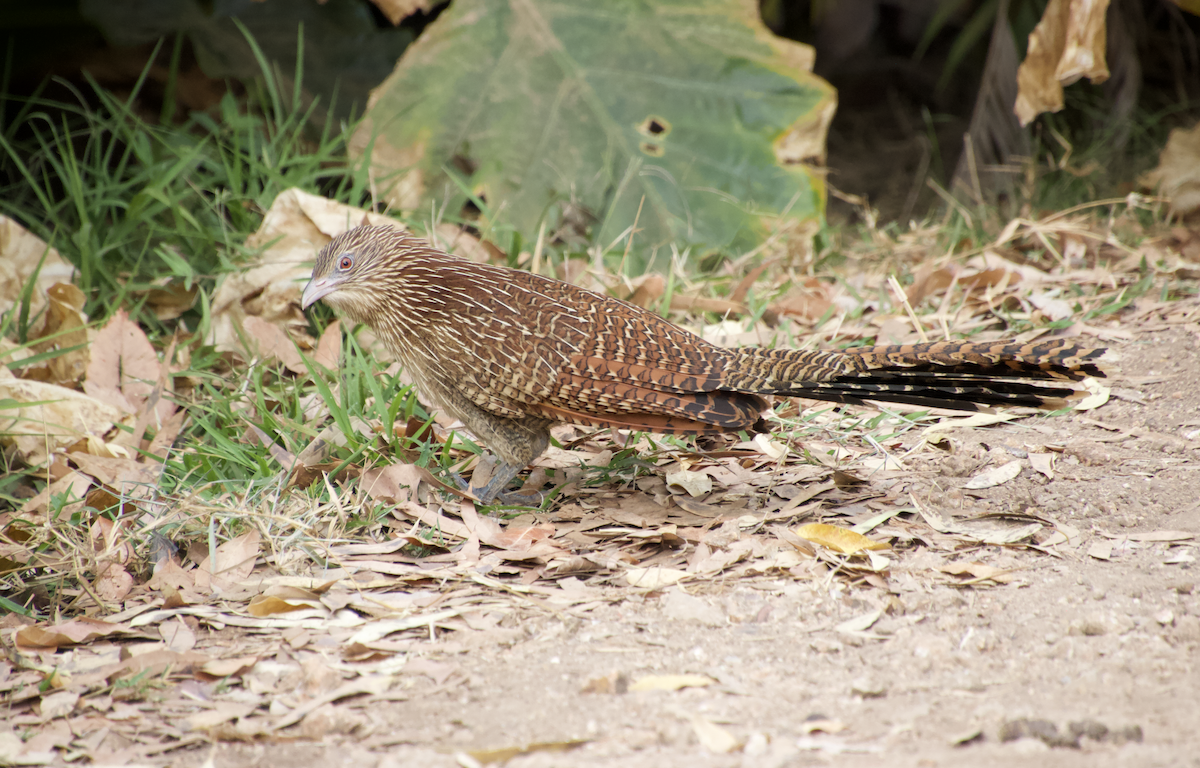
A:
{"points": [[514, 442], [494, 490]]}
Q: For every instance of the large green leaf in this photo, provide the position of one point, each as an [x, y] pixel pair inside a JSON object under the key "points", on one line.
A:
{"points": [[688, 109]]}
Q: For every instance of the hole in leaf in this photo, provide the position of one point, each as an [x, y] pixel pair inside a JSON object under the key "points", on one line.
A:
{"points": [[654, 126]]}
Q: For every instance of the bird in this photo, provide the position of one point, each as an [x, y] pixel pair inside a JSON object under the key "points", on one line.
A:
{"points": [[511, 353]]}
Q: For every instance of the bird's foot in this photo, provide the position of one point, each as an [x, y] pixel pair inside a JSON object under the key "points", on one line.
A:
{"points": [[514, 499], [494, 490]]}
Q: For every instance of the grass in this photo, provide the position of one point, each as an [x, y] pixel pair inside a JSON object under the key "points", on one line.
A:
{"points": [[136, 204]]}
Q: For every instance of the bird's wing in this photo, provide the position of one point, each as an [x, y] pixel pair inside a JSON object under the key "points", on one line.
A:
{"points": [[540, 346]]}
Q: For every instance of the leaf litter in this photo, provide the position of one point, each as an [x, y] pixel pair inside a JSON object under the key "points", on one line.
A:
{"points": [[146, 621]]}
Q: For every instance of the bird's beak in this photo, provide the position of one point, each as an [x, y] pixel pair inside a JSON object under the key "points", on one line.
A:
{"points": [[317, 289]]}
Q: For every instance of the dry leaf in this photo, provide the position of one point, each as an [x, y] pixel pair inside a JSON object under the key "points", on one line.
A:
{"points": [[713, 737], [1101, 550], [178, 636], [223, 668], [670, 682], [267, 340], [1067, 44], [974, 420], [860, 624], [231, 564], [124, 370], [809, 301], [978, 572], [395, 483], [270, 605], [995, 476], [838, 539], [823, 725], [1051, 306], [1153, 536], [112, 582], [329, 346], [77, 631], [647, 290], [693, 483], [1098, 396], [63, 328], [58, 704], [60, 417], [1177, 175], [377, 630], [504, 754], [654, 578], [1043, 462], [773, 449], [171, 298], [222, 712], [397, 11], [21, 252]]}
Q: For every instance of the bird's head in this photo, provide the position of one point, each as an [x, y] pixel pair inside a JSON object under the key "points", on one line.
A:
{"points": [[354, 271]]}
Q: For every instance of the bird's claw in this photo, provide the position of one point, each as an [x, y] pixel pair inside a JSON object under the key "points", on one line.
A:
{"points": [[487, 495]]}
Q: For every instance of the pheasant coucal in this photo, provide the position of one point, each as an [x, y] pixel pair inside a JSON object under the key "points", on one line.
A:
{"points": [[511, 353]]}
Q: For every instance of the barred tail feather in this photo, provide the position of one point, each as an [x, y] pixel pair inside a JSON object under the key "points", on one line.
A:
{"points": [[957, 375]]}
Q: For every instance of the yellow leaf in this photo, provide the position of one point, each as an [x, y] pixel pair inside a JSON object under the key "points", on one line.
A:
{"points": [[670, 682], [504, 754], [838, 539], [266, 605]]}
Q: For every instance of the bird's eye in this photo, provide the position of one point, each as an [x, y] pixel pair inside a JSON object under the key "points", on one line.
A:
{"points": [[346, 262]]}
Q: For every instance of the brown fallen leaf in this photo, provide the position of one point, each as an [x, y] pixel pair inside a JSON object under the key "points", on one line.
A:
{"points": [[978, 572], [63, 328], [232, 563], [994, 476], [123, 369], [59, 704], [113, 583], [397, 11], [126, 476], [22, 252], [1067, 44], [1043, 462], [219, 669], [269, 605], [171, 298], [74, 632], [222, 712], [1151, 535], [329, 347], [262, 338], [49, 417], [395, 483], [1177, 175], [654, 577], [713, 737]]}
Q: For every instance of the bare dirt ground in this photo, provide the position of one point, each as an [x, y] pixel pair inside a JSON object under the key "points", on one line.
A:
{"points": [[1096, 635]]}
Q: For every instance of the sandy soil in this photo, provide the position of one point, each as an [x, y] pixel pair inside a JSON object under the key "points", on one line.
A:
{"points": [[1101, 632]]}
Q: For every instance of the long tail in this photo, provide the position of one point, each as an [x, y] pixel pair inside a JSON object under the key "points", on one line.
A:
{"points": [[946, 374]]}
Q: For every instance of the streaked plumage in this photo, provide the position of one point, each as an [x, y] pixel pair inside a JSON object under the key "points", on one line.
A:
{"points": [[510, 353]]}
